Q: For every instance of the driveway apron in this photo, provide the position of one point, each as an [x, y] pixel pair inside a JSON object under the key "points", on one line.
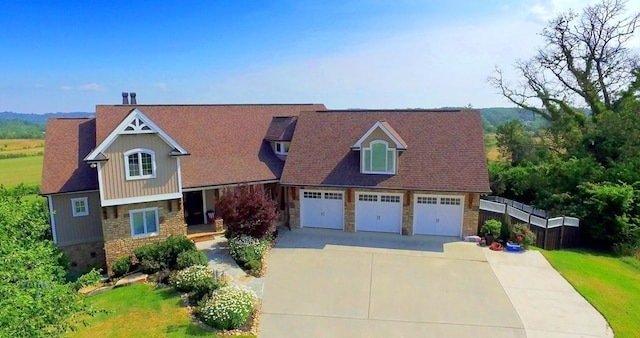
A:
{"points": [[323, 283]]}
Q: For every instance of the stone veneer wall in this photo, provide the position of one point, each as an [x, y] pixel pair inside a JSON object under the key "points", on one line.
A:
{"points": [[117, 230], [470, 218], [85, 256]]}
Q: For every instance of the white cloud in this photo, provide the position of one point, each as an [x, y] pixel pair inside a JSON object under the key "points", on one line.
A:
{"points": [[161, 85], [66, 88], [94, 87]]}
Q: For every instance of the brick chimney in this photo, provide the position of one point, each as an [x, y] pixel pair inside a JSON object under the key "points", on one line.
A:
{"points": [[125, 98], [133, 98]]}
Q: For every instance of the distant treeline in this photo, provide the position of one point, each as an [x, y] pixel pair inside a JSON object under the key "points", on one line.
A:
{"points": [[15, 129], [493, 117]]}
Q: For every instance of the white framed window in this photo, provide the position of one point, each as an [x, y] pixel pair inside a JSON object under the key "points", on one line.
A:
{"points": [[378, 158], [140, 164], [80, 206], [144, 222], [282, 148]]}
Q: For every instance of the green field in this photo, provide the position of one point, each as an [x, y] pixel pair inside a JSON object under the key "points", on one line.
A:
{"points": [[26, 170]]}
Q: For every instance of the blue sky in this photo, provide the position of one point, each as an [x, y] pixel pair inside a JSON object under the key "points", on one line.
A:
{"points": [[71, 55]]}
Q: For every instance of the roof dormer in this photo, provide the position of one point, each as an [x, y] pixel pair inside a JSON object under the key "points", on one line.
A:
{"points": [[379, 149]]}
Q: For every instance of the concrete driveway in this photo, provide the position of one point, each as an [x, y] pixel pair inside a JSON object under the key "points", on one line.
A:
{"points": [[326, 283]]}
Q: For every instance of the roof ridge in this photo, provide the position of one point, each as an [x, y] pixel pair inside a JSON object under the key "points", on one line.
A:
{"points": [[211, 104]]}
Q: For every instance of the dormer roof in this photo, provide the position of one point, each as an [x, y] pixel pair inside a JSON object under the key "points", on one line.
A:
{"points": [[386, 128], [281, 128]]}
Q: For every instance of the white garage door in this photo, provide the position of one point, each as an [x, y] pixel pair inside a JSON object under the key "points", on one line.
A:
{"points": [[379, 212], [437, 215], [322, 209]]}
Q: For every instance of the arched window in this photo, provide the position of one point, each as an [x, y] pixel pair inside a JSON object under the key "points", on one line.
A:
{"points": [[140, 163], [378, 158]]}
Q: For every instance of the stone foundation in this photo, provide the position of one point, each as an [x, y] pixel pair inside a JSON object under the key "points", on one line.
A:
{"points": [[116, 228], [85, 256], [470, 217]]}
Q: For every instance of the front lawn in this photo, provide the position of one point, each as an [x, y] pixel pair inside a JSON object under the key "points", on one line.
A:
{"points": [[610, 284], [140, 311]]}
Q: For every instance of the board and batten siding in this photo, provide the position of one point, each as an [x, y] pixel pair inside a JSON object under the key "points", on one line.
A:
{"points": [[76, 230], [114, 182], [377, 134]]}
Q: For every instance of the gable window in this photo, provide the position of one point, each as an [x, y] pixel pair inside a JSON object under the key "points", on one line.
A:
{"points": [[80, 206], [140, 163], [378, 158], [144, 222], [282, 148]]}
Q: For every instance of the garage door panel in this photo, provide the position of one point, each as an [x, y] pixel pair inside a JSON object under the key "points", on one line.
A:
{"points": [[311, 209], [322, 209], [378, 212], [438, 215], [333, 210]]}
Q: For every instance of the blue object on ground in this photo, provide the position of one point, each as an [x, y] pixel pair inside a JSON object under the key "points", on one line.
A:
{"points": [[513, 247]]}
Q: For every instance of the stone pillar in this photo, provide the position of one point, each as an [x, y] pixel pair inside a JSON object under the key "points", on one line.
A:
{"points": [[218, 225]]}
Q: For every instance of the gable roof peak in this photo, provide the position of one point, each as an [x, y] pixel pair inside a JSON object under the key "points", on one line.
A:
{"points": [[136, 122], [388, 130]]}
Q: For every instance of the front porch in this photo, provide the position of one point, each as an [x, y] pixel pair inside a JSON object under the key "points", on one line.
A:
{"points": [[205, 232]]}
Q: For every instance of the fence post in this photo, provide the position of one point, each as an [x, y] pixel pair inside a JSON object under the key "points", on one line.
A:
{"points": [[546, 229], [562, 233]]}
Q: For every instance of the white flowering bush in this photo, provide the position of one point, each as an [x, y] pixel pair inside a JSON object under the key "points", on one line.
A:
{"points": [[245, 248], [228, 307], [187, 279]]}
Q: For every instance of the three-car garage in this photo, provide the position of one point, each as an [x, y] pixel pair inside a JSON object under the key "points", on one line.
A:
{"points": [[383, 211]]}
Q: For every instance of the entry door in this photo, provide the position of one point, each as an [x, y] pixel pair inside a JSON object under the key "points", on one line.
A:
{"points": [[322, 209], [193, 213]]}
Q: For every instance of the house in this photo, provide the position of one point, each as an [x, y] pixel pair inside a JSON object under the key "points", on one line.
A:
{"points": [[136, 174]]}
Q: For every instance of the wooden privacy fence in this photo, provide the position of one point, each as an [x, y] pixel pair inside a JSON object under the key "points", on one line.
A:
{"points": [[551, 233]]}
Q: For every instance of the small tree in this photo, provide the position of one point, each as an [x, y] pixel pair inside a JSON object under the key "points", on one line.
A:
{"points": [[248, 210]]}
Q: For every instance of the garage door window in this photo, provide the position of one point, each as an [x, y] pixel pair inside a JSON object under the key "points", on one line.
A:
{"points": [[368, 198], [332, 196], [310, 194], [427, 200], [390, 199], [449, 201]]}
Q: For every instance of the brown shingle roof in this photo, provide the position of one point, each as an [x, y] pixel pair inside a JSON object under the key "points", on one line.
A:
{"points": [[445, 150], [281, 128], [226, 143], [67, 141]]}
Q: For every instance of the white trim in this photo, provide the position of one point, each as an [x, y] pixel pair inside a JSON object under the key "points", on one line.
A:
{"points": [[370, 149], [136, 113], [222, 186], [141, 199], [100, 184], [462, 206], [378, 193], [139, 152], [301, 197], [85, 201], [204, 207], [377, 125], [53, 220], [179, 175], [144, 210]]}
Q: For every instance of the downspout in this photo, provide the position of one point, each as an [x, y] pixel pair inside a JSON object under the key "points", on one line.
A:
{"points": [[52, 220]]}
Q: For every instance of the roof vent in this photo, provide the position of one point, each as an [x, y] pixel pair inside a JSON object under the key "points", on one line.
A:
{"points": [[125, 98], [133, 98]]}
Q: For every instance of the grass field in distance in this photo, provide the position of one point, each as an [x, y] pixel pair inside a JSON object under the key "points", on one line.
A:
{"points": [[28, 170]]}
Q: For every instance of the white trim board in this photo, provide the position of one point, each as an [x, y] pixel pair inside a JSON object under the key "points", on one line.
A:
{"points": [[141, 199], [375, 126]]}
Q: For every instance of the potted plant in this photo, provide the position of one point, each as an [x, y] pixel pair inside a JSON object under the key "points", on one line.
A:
{"points": [[522, 235], [490, 229]]}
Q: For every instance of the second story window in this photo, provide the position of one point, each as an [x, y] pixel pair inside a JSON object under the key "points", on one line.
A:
{"points": [[282, 148], [140, 163]]}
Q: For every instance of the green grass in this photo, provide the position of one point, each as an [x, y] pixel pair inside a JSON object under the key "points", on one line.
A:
{"points": [[610, 284], [140, 311], [26, 170]]}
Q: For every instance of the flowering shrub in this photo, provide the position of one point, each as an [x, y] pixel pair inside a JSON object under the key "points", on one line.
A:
{"points": [[245, 248], [522, 235], [191, 258], [186, 280], [228, 307]]}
